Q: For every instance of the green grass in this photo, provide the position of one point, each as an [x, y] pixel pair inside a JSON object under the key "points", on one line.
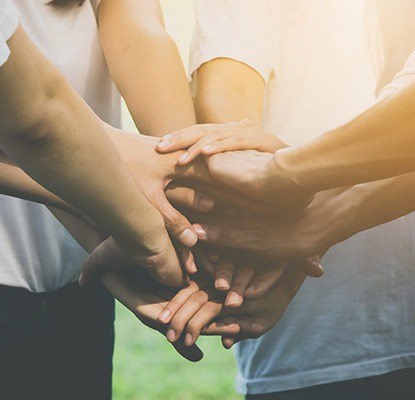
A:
{"points": [[146, 367]]}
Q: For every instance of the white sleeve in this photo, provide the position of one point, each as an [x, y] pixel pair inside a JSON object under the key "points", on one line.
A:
{"points": [[401, 80], [9, 21], [95, 4], [243, 30]]}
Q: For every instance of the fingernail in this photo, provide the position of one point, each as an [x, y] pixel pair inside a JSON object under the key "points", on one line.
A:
{"points": [[188, 339], [171, 335], [250, 291], [183, 157], [193, 268], [165, 315], [164, 143], [81, 280], [201, 231], [233, 299], [208, 148], [188, 237], [222, 283], [167, 137], [206, 203]]}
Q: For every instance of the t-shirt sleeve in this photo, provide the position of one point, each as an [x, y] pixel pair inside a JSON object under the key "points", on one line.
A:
{"points": [[401, 80], [95, 4], [9, 21], [243, 30]]}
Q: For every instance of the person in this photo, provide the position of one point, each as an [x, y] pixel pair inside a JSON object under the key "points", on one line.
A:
{"points": [[339, 337], [55, 334]]}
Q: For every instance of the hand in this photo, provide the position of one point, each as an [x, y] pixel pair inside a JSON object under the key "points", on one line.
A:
{"points": [[209, 139], [257, 317], [252, 172], [144, 298], [153, 172], [200, 310], [288, 237]]}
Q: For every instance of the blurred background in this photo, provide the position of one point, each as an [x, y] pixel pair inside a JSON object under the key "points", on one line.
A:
{"points": [[146, 367]]}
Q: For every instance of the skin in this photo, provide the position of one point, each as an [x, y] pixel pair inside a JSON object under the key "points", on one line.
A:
{"points": [[51, 133]]}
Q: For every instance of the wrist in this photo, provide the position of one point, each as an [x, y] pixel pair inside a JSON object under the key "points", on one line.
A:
{"points": [[283, 174]]}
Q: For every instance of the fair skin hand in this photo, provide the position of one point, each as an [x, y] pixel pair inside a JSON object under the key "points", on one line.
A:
{"points": [[159, 172], [49, 131]]}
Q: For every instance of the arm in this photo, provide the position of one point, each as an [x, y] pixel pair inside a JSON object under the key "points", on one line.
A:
{"points": [[145, 65], [377, 144], [331, 218], [51, 133], [228, 90], [14, 182]]}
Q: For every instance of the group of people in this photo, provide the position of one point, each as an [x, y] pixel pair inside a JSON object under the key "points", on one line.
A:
{"points": [[291, 154]]}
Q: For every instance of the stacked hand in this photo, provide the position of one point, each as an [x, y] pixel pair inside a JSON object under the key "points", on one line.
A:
{"points": [[254, 253]]}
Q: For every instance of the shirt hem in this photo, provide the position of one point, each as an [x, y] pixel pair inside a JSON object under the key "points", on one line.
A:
{"points": [[326, 375]]}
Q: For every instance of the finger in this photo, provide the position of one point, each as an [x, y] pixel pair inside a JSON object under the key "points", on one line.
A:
{"points": [[181, 140], [189, 198], [241, 279], [202, 317], [195, 150], [177, 301], [165, 266], [185, 313], [177, 224], [221, 328], [224, 275], [228, 342], [264, 281], [248, 141], [105, 256], [184, 138], [191, 353], [312, 266], [187, 259]]}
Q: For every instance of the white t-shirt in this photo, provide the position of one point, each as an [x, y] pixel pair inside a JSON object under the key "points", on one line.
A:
{"points": [[9, 21], [36, 252], [358, 320]]}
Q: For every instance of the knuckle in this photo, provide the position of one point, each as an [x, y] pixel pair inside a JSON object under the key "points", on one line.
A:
{"points": [[172, 219], [199, 297]]}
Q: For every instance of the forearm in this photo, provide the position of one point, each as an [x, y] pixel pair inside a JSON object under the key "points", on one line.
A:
{"points": [[377, 144], [15, 182], [367, 205], [146, 66], [228, 90], [53, 135]]}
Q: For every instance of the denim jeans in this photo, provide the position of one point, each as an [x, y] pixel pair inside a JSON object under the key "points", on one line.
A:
{"points": [[397, 385], [56, 345]]}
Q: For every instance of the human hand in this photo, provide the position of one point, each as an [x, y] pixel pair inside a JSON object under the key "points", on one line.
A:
{"points": [[201, 310], [153, 172], [294, 236], [209, 139], [253, 172]]}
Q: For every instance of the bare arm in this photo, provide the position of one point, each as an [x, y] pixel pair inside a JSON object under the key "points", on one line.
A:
{"points": [[53, 135], [145, 65], [228, 90], [377, 144]]}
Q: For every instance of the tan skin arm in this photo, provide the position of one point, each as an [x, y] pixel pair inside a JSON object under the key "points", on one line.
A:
{"points": [[228, 90], [145, 65], [49, 131]]}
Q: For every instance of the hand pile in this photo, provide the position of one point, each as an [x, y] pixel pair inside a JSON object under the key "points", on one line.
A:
{"points": [[238, 249]]}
